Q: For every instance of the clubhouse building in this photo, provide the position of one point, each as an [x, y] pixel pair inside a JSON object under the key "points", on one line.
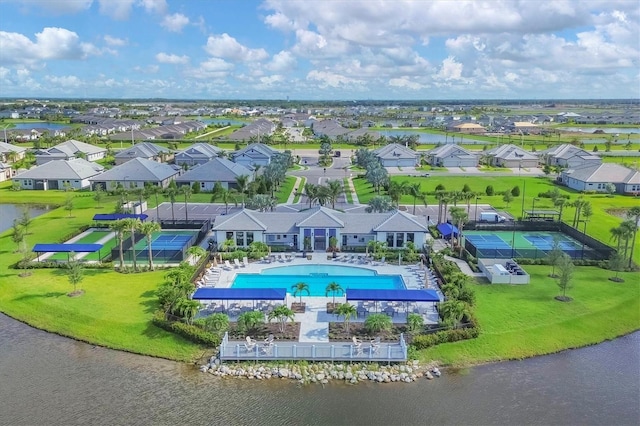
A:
{"points": [[317, 226]]}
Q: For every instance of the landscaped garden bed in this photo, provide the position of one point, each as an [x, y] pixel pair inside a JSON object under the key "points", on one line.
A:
{"points": [[262, 331]]}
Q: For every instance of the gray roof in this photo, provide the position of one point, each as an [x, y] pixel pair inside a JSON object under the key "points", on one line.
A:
{"points": [[72, 146], [143, 150], [604, 173], [511, 152], [75, 169], [395, 151], [256, 150], [566, 151], [449, 150], [138, 169], [351, 223], [8, 147], [260, 127], [199, 150], [217, 169]]}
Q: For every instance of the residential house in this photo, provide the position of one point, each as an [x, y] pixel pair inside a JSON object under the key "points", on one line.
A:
{"points": [[198, 153], [329, 128], [75, 174], [471, 128], [511, 156], [363, 132], [255, 130], [596, 177], [316, 227], [396, 155], [568, 156], [69, 150], [10, 153], [6, 171], [145, 150], [451, 155], [217, 170], [136, 173], [256, 154]]}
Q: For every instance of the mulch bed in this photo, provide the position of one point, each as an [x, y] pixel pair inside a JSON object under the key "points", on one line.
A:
{"points": [[292, 331]]}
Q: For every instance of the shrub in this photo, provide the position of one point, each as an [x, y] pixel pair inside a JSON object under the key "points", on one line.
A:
{"points": [[189, 332], [515, 191], [489, 190], [426, 340]]}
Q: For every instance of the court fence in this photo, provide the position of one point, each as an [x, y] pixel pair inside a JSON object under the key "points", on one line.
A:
{"points": [[590, 249]]}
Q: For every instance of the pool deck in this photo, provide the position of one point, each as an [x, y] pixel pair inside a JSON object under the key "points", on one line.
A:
{"points": [[314, 322]]}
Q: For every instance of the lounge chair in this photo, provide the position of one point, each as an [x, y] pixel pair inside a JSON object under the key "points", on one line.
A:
{"points": [[227, 265], [357, 345], [245, 261], [236, 263], [250, 344], [375, 345]]}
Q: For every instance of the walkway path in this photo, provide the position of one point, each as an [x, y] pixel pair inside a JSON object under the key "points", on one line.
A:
{"points": [[212, 132], [314, 323], [352, 188], [464, 267], [296, 186]]}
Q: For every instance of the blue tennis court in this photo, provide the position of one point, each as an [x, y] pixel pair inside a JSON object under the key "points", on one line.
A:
{"points": [[522, 244]]}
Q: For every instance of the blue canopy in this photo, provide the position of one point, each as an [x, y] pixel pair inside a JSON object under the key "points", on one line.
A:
{"points": [[393, 295], [240, 294], [66, 248], [118, 216], [446, 229]]}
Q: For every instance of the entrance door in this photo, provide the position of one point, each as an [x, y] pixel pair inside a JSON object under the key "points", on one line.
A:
{"points": [[319, 239]]}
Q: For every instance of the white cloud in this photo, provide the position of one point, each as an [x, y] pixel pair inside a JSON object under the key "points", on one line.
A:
{"points": [[405, 83], [64, 81], [226, 47], [50, 44], [282, 61], [115, 41], [174, 23], [331, 79], [450, 70], [214, 68], [166, 58], [154, 6], [147, 69], [116, 9]]}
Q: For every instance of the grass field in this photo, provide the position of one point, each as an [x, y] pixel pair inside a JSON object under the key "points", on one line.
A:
{"points": [[524, 320]]}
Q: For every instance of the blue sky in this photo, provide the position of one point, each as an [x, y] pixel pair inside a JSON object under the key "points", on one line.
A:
{"points": [[324, 50]]}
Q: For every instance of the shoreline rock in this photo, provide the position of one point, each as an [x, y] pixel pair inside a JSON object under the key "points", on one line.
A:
{"points": [[324, 372]]}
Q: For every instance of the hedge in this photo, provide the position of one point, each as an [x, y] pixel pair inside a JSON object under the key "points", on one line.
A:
{"points": [[188, 331], [424, 341]]}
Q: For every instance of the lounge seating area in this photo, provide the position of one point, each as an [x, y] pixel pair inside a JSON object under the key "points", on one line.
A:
{"points": [[210, 278]]}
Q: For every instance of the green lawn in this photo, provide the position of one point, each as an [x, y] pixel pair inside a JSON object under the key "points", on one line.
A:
{"points": [[522, 321], [598, 226], [347, 191], [116, 309]]}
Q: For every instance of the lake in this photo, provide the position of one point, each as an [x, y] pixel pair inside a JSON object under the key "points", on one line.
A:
{"points": [[9, 212], [430, 138], [48, 379], [608, 130], [40, 125], [224, 121]]}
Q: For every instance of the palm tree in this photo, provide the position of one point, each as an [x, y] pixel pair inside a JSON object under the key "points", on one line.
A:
{"points": [[459, 217], [311, 191], [216, 323], [634, 214], [452, 312], [415, 322], [188, 309], [560, 203], [377, 323], [132, 225], [334, 190], [170, 193], [628, 228], [347, 311], [187, 192], [300, 288], [148, 228], [397, 190], [154, 190], [197, 252], [333, 287], [119, 227], [242, 185], [225, 196], [414, 191], [281, 314]]}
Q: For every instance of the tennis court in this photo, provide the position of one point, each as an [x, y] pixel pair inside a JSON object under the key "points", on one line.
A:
{"points": [[92, 236], [167, 246], [522, 244]]}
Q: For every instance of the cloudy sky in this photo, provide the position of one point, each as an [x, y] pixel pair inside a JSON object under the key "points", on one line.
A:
{"points": [[330, 49]]}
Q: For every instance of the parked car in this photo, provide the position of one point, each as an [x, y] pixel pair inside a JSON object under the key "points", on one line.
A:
{"points": [[425, 175], [337, 154]]}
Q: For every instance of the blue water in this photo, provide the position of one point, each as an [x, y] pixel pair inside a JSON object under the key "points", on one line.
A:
{"points": [[429, 138], [40, 125], [317, 277]]}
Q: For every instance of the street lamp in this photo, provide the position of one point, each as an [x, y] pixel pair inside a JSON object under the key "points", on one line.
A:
{"points": [[5, 132], [476, 210], [533, 207]]}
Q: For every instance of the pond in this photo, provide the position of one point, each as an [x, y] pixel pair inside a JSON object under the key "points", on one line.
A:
{"points": [[9, 212], [40, 125], [608, 130], [430, 138]]}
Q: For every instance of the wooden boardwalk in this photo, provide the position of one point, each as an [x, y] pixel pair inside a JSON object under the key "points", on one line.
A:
{"points": [[332, 351]]}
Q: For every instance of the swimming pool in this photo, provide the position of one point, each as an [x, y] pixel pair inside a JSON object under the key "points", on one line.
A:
{"points": [[317, 277]]}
